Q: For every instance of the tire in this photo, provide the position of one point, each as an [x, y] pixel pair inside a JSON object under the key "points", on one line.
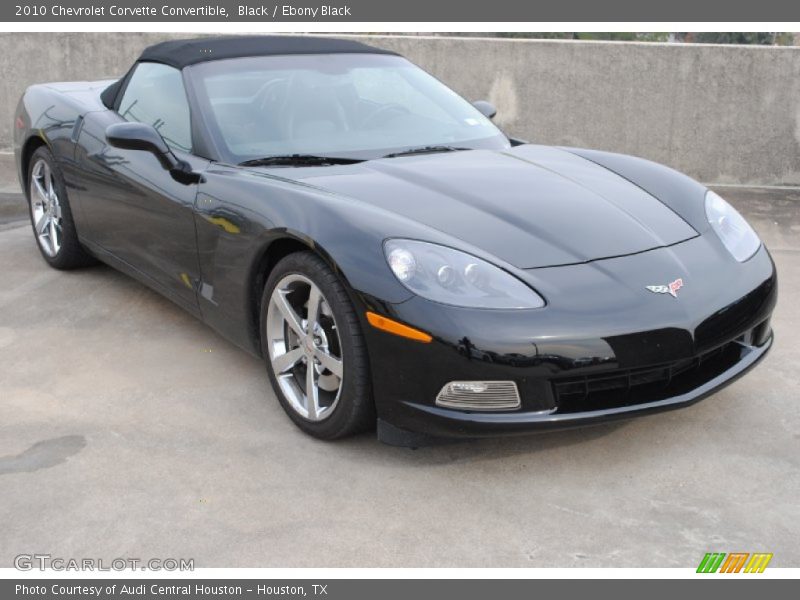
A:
{"points": [[51, 216], [337, 334]]}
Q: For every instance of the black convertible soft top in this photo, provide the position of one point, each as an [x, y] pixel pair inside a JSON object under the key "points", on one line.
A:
{"points": [[182, 53]]}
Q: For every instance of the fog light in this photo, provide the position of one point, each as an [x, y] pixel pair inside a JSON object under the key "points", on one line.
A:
{"points": [[474, 387], [479, 395]]}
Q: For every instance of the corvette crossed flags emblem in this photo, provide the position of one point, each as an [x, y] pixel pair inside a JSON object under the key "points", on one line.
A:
{"points": [[671, 288]]}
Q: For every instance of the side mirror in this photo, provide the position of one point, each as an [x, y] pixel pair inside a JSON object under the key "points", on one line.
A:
{"points": [[487, 109], [140, 136]]}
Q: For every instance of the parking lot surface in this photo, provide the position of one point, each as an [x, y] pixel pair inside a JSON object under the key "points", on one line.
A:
{"points": [[129, 429]]}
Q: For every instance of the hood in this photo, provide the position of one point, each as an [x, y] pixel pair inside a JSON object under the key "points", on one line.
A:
{"points": [[530, 206]]}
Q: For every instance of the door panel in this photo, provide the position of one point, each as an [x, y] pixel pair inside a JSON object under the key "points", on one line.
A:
{"points": [[135, 210]]}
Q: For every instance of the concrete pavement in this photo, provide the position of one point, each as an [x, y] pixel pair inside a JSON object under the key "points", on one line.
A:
{"points": [[129, 429]]}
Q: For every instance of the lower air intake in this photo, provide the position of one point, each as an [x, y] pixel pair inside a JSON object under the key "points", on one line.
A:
{"points": [[479, 395]]}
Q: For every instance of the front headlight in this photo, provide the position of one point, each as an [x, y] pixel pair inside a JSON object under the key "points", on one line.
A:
{"points": [[453, 277], [736, 233]]}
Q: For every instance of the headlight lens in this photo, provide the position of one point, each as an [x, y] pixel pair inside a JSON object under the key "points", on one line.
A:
{"points": [[453, 277], [736, 233]]}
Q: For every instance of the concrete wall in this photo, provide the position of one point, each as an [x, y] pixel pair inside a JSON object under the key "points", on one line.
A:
{"points": [[723, 114]]}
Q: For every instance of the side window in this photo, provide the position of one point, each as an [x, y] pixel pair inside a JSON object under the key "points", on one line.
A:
{"points": [[155, 95]]}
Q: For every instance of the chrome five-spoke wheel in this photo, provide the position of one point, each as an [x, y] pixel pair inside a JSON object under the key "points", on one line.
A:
{"points": [[304, 346], [46, 209]]}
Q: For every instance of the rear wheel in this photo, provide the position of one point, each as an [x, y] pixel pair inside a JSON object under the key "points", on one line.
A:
{"points": [[314, 349], [51, 216]]}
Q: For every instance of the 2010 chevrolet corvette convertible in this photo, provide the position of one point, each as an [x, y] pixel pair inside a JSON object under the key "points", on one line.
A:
{"points": [[390, 253]]}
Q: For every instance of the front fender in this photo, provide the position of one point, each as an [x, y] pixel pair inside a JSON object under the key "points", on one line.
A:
{"points": [[241, 213]]}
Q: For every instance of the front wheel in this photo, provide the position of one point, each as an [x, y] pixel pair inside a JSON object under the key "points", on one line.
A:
{"points": [[314, 350]]}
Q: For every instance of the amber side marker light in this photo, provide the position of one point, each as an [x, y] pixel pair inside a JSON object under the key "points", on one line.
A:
{"points": [[386, 324]]}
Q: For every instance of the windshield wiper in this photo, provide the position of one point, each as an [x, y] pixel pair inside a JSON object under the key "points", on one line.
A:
{"points": [[298, 160], [425, 150]]}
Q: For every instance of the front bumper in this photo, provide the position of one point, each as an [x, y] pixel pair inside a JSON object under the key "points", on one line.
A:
{"points": [[440, 422], [614, 353]]}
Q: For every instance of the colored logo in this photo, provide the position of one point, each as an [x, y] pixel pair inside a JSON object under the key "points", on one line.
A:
{"points": [[671, 289], [736, 562]]}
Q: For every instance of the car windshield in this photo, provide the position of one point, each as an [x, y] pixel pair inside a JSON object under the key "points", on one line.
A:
{"points": [[360, 106]]}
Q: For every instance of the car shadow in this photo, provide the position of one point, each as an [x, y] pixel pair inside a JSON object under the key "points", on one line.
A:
{"points": [[446, 451]]}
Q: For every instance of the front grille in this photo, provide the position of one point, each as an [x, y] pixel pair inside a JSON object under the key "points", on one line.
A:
{"points": [[627, 387]]}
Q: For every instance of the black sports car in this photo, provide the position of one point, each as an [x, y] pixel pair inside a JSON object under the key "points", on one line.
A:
{"points": [[389, 252]]}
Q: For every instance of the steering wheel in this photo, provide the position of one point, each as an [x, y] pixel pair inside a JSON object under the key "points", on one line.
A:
{"points": [[384, 110]]}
